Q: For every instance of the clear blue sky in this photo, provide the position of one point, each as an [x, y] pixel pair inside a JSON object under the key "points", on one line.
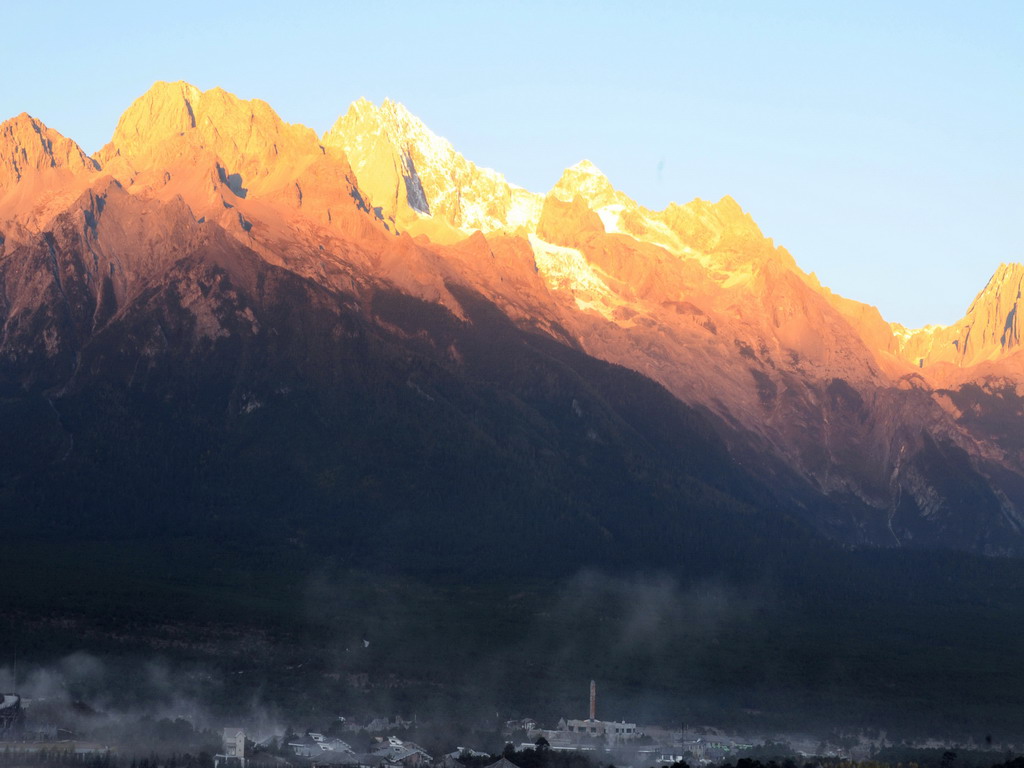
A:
{"points": [[882, 143]]}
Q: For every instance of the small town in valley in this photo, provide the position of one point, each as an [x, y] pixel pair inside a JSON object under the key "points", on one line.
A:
{"points": [[28, 738]]}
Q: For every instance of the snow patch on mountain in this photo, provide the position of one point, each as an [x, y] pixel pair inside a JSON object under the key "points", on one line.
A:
{"points": [[567, 269]]}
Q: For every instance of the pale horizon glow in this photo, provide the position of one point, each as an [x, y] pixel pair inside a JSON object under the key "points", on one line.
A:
{"points": [[880, 143]]}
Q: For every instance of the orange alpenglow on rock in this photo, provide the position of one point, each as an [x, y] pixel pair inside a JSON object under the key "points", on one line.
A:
{"points": [[175, 121], [381, 170], [40, 170], [27, 147], [990, 329], [569, 224], [232, 160]]}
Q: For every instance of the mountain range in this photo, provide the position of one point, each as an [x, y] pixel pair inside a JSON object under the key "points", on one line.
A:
{"points": [[266, 394], [218, 273]]}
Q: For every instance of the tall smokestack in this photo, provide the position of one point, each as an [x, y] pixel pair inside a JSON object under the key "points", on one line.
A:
{"points": [[593, 700]]}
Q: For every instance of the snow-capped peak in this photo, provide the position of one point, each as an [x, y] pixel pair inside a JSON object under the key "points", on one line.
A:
{"points": [[411, 172]]}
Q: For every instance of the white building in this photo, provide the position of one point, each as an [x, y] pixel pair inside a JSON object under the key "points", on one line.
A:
{"points": [[234, 748], [611, 731]]}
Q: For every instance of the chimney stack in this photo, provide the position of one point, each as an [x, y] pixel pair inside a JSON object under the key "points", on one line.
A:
{"points": [[593, 700]]}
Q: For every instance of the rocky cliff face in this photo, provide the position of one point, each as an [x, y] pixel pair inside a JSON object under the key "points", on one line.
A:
{"points": [[234, 162], [201, 197], [989, 331], [28, 148], [39, 170]]}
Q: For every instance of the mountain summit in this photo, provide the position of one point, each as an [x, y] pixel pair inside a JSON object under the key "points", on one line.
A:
{"points": [[38, 167], [989, 331], [27, 147], [419, 181], [247, 136]]}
